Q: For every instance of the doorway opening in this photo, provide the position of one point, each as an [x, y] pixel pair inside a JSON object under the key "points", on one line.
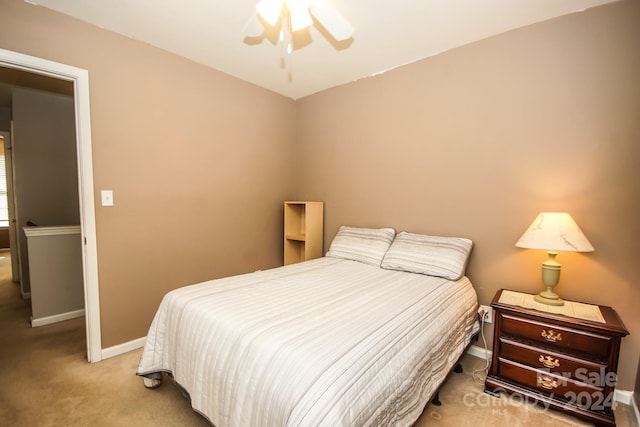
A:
{"points": [[80, 80]]}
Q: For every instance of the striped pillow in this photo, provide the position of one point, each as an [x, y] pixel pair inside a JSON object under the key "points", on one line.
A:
{"points": [[367, 245], [431, 255]]}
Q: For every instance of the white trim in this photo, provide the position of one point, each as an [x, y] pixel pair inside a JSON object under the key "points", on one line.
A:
{"points": [[123, 348], [478, 351], [80, 79], [42, 321], [31, 231], [623, 396], [626, 397]]}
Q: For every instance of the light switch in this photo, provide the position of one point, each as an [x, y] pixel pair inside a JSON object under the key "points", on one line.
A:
{"points": [[107, 198]]}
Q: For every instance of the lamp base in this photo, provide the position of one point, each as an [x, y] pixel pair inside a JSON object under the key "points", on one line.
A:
{"points": [[549, 298], [550, 276]]}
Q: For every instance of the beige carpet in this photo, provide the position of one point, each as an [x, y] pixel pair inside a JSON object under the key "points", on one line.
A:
{"points": [[46, 381]]}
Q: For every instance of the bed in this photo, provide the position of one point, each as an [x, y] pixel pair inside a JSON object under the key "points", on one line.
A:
{"points": [[361, 336]]}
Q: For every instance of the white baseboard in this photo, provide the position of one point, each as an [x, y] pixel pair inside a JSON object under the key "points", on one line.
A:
{"points": [[126, 347], [623, 396], [123, 348], [478, 351], [42, 321]]}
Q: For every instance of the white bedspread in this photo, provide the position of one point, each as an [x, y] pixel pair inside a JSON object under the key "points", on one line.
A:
{"points": [[325, 342]]}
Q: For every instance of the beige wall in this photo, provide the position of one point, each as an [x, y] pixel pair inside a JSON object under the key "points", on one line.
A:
{"points": [[199, 163], [477, 141], [44, 165], [4, 238], [5, 118]]}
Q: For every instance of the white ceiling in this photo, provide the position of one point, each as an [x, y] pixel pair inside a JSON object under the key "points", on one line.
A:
{"points": [[388, 34]]}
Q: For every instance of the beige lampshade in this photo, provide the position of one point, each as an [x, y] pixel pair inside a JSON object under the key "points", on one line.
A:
{"points": [[554, 231]]}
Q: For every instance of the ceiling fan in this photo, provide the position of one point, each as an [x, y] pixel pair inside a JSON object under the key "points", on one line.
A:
{"points": [[297, 15]]}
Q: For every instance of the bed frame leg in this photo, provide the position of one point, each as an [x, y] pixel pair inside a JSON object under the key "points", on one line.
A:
{"points": [[492, 393], [458, 369], [153, 380], [151, 383], [436, 400]]}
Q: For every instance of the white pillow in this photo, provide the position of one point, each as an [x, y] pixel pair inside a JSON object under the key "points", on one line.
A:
{"points": [[431, 255], [367, 245]]}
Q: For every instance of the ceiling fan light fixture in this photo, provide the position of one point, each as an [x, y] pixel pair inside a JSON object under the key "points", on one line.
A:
{"points": [[269, 10], [299, 14], [289, 16], [300, 20]]}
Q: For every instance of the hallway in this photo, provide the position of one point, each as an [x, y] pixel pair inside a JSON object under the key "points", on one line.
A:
{"points": [[15, 314]]}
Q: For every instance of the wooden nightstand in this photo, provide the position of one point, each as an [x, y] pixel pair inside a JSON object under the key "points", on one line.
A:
{"points": [[559, 361]]}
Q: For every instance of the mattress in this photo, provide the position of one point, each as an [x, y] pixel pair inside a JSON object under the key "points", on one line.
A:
{"points": [[324, 342]]}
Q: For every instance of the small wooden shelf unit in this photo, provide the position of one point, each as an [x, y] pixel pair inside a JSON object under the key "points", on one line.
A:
{"points": [[303, 225]]}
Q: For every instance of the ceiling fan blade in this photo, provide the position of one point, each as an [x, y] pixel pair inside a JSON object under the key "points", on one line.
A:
{"points": [[339, 28], [253, 27]]}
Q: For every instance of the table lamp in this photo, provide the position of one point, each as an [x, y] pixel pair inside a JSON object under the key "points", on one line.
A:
{"points": [[553, 232]]}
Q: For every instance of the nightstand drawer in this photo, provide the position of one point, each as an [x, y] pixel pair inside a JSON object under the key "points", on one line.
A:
{"points": [[557, 336], [540, 358], [548, 383]]}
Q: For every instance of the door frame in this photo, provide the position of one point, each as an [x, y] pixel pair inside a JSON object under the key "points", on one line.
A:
{"points": [[11, 204], [80, 79]]}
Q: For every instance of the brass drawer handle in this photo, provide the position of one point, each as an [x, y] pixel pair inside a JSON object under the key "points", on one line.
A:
{"points": [[547, 382], [549, 362], [551, 335]]}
